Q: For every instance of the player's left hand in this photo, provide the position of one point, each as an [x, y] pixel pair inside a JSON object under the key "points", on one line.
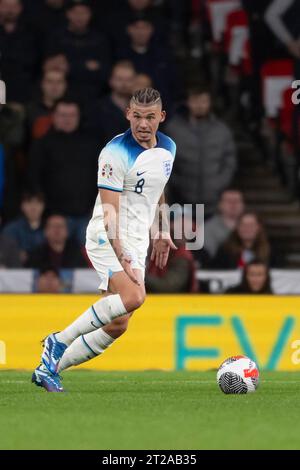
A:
{"points": [[162, 244]]}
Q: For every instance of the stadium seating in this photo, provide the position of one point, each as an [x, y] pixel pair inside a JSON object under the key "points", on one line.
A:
{"points": [[218, 12], [276, 76], [236, 37]]}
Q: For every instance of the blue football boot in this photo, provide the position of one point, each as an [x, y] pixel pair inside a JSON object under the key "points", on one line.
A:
{"points": [[42, 378], [53, 352]]}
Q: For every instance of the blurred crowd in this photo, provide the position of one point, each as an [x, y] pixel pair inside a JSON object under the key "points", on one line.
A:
{"points": [[70, 67]]}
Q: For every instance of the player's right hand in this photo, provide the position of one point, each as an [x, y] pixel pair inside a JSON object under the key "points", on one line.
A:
{"points": [[126, 265]]}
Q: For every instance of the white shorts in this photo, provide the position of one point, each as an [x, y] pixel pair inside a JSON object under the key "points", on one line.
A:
{"points": [[104, 260]]}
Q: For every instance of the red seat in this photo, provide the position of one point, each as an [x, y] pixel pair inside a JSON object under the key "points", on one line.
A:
{"points": [[237, 43], [236, 36], [277, 76], [218, 11], [286, 114]]}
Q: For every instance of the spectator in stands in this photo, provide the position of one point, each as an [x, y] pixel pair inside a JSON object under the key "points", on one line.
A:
{"points": [[107, 118], [86, 50], [27, 230], [256, 279], [177, 13], [115, 24], [12, 125], [247, 242], [49, 282], [144, 52], [45, 17], [56, 62], [218, 228], [141, 7], [10, 256], [63, 165], [141, 81], [18, 51], [12, 118], [59, 251], [179, 275], [206, 153], [39, 111]]}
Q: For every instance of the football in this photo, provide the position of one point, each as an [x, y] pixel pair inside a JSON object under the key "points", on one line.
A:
{"points": [[238, 375]]}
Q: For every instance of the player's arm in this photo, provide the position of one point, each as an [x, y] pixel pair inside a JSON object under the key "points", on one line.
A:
{"points": [[111, 206], [111, 172], [162, 241]]}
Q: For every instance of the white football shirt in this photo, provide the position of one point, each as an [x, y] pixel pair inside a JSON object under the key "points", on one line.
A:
{"points": [[139, 175]]}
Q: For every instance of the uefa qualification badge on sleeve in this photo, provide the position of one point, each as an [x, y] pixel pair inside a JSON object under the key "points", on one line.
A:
{"points": [[107, 170]]}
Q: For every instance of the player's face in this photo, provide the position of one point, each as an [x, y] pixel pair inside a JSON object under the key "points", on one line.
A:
{"points": [[144, 122], [256, 277]]}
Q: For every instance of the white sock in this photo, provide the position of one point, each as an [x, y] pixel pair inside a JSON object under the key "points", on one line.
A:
{"points": [[101, 313], [84, 348]]}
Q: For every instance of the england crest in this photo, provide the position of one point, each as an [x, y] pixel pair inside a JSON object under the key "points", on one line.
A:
{"points": [[167, 168]]}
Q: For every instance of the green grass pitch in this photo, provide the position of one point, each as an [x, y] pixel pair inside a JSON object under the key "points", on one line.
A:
{"points": [[148, 410]]}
